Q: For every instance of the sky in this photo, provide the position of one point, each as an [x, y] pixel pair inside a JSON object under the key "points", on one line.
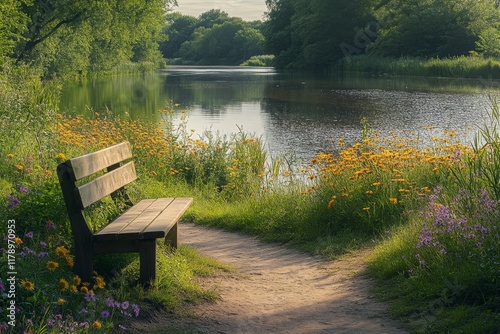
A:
{"points": [[248, 10]]}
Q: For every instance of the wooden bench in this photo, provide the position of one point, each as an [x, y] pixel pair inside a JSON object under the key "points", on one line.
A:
{"points": [[136, 230]]}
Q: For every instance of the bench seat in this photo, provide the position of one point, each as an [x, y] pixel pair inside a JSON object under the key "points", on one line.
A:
{"points": [[148, 219]]}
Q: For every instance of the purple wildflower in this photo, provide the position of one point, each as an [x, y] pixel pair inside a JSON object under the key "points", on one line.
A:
{"points": [[125, 305], [136, 309], [13, 202], [90, 297], [23, 189], [105, 314]]}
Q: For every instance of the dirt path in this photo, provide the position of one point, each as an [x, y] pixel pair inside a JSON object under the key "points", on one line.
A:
{"points": [[278, 290]]}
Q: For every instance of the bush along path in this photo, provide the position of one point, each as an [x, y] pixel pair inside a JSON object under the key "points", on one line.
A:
{"points": [[275, 289]]}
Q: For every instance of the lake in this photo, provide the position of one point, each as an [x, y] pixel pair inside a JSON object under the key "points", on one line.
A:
{"points": [[302, 113]]}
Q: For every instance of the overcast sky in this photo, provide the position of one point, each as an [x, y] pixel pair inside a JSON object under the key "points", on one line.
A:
{"points": [[248, 10]]}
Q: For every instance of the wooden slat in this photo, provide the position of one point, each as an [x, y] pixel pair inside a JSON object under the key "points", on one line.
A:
{"points": [[113, 229], [167, 218], [104, 185], [136, 228], [93, 162]]}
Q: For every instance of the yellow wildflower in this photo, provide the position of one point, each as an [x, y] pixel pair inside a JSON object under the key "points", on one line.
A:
{"points": [[51, 265], [96, 324], [61, 301], [10, 156], [63, 284], [19, 167], [61, 251], [99, 282], [18, 240], [30, 286], [61, 157], [393, 200]]}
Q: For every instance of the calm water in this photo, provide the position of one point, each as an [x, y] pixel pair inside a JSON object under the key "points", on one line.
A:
{"points": [[300, 113]]}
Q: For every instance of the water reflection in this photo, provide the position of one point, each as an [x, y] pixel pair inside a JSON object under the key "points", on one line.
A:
{"points": [[304, 113]]}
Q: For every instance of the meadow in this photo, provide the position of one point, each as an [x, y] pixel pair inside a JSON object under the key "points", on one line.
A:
{"points": [[430, 203]]}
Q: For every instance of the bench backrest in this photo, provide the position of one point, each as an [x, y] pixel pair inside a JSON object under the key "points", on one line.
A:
{"points": [[77, 198]]}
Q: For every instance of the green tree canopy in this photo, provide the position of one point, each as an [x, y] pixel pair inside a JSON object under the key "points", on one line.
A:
{"points": [[65, 36], [213, 38], [432, 28], [310, 33]]}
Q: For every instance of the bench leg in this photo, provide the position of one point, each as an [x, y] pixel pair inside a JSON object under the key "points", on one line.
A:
{"points": [[147, 257], [171, 237]]}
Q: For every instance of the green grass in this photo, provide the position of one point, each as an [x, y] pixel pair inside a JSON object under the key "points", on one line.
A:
{"points": [[457, 67]]}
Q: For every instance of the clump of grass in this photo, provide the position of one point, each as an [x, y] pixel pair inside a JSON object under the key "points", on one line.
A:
{"points": [[262, 60], [456, 67]]}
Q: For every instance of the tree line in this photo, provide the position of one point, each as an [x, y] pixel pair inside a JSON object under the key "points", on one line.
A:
{"points": [[318, 33], [78, 36]]}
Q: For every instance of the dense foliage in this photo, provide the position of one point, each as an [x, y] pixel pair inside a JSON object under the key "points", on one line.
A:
{"points": [[70, 37], [316, 34], [213, 38]]}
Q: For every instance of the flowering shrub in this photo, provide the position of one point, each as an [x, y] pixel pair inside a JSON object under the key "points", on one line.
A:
{"points": [[48, 295]]}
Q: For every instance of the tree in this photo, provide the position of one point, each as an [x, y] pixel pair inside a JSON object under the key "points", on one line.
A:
{"points": [[432, 28], [214, 38], [12, 25], [310, 33], [77, 35], [179, 29]]}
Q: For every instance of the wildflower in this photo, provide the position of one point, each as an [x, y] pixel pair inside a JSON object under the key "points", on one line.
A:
{"points": [[70, 260], [51, 265], [366, 209], [61, 251], [29, 234], [393, 200], [96, 324], [63, 284], [125, 305], [48, 172], [23, 189], [13, 202], [10, 156], [61, 157], [376, 184], [105, 314], [77, 280], [332, 201], [99, 282], [369, 192], [73, 288], [30, 286], [61, 301], [18, 240], [19, 167], [136, 309], [84, 289], [90, 296]]}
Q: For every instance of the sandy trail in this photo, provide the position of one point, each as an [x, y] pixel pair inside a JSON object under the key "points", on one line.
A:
{"points": [[275, 289]]}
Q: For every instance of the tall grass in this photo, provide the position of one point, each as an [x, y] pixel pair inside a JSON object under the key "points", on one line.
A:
{"points": [[457, 67]]}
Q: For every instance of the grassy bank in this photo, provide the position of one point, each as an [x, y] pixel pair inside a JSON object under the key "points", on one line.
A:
{"points": [[429, 201], [457, 67]]}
